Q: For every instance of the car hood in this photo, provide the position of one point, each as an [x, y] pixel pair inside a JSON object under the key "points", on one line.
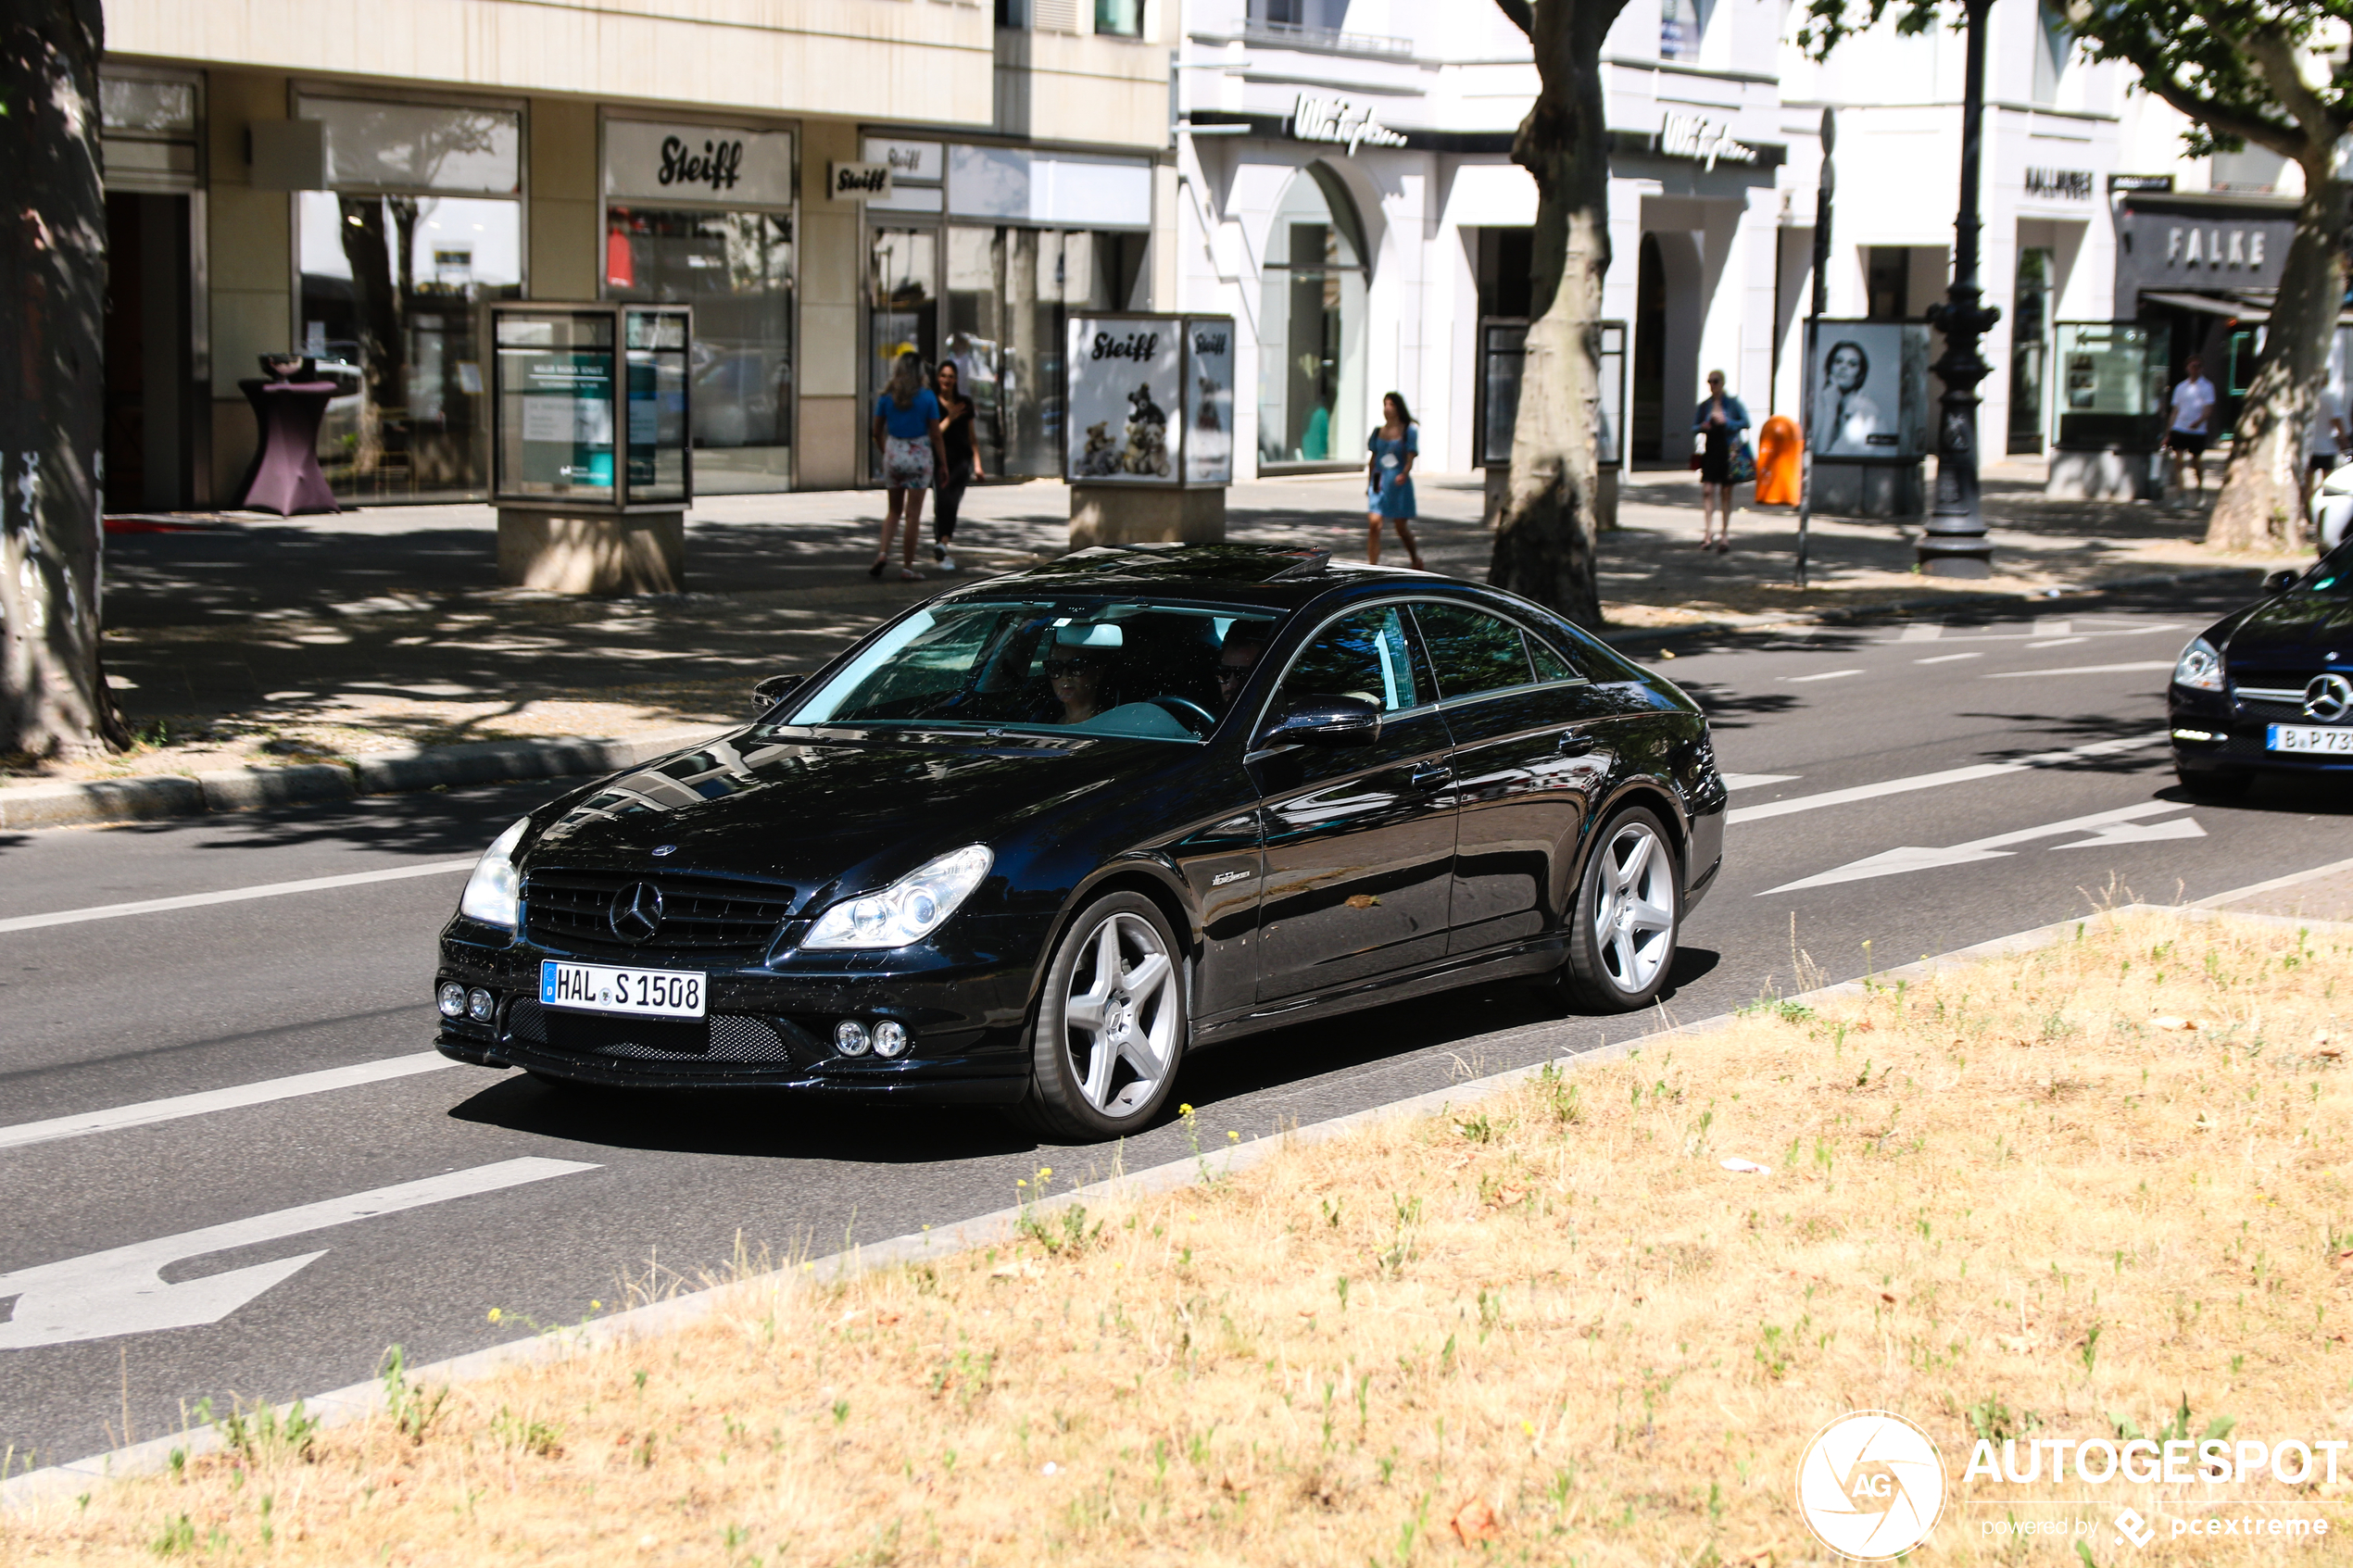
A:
{"points": [[2297, 630], [844, 811]]}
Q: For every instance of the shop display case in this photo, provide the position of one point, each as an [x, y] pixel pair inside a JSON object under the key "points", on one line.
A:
{"points": [[1501, 349], [2112, 384], [592, 467]]}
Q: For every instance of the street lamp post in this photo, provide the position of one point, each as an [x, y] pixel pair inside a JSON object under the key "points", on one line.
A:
{"points": [[1825, 190], [1955, 543]]}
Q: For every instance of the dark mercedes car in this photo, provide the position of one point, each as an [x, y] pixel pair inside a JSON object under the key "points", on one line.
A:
{"points": [[1031, 842], [2269, 687]]}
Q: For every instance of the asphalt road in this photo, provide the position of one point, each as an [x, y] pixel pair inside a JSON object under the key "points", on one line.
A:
{"points": [[1839, 740]]}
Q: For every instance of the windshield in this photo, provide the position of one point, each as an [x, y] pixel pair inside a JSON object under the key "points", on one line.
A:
{"points": [[1085, 664]]}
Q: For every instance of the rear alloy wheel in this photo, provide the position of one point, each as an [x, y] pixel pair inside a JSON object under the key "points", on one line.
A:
{"points": [[1621, 940], [1111, 1024]]}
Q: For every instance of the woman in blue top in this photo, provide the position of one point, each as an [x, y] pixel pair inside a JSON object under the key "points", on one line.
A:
{"points": [[1721, 419], [906, 436], [1388, 493]]}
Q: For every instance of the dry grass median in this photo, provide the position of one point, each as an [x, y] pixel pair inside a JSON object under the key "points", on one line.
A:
{"points": [[2065, 1194]]}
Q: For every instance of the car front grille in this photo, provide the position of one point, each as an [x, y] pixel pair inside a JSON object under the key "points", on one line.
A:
{"points": [[707, 916], [723, 1036], [2272, 695]]}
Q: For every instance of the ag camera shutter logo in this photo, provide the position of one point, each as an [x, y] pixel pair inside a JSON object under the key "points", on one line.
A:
{"points": [[1870, 1486]]}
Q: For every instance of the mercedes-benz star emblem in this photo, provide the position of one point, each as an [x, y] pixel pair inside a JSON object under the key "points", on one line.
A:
{"points": [[2328, 699], [637, 913]]}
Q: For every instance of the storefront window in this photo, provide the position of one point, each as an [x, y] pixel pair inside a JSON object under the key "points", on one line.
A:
{"points": [[1121, 19], [902, 272], [1311, 361], [735, 268], [1010, 292], [394, 270]]}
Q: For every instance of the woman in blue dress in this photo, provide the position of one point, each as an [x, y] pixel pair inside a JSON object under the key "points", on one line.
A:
{"points": [[1389, 492]]}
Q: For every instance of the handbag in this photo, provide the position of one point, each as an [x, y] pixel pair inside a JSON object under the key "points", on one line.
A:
{"points": [[1699, 453], [1743, 462]]}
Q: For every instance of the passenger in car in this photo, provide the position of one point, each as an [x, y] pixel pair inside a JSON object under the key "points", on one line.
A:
{"points": [[1083, 682], [1245, 646]]}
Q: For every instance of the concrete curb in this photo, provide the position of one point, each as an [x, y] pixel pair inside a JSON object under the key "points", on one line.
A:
{"points": [[357, 1401], [71, 803]]}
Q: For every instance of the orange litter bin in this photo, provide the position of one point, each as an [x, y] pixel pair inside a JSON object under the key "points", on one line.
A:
{"points": [[1780, 454]]}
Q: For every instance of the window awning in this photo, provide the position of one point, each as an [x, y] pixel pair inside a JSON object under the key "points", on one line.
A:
{"points": [[2253, 308]]}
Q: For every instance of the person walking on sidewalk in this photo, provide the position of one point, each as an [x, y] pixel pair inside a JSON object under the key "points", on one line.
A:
{"points": [[960, 460], [906, 438], [1389, 495], [1723, 420], [2192, 408]]}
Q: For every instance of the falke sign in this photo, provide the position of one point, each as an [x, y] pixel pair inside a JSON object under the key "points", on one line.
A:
{"points": [[699, 165], [857, 182], [1337, 120]]}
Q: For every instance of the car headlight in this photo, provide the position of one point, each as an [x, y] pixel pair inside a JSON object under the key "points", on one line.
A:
{"points": [[909, 909], [493, 894], [2201, 666]]}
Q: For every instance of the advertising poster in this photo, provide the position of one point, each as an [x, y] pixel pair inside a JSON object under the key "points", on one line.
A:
{"points": [[1870, 389], [1209, 400], [1125, 379]]}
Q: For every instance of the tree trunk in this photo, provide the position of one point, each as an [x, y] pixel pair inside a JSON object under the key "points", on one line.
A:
{"points": [[52, 272], [2258, 507], [1545, 541], [376, 307]]}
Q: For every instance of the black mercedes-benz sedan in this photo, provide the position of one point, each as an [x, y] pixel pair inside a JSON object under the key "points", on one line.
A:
{"points": [[2269, 687], [1030, 842]]}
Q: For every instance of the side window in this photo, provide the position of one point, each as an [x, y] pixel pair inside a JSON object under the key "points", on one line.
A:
{"points": [[1550, 666], [1474, 651], [1367, 655]]}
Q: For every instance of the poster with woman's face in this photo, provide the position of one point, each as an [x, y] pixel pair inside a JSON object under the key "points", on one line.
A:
{"points": [[1209, 400], [1864, 402], [1125, 380]]}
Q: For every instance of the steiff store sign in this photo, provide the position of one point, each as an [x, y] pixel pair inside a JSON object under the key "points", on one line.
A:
{"points": [[698, 165]]}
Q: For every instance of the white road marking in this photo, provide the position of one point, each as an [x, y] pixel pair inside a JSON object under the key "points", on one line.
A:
{"points": [[237, 894], [143, 1113], [1825, 675], [121, 1290], [1915, 858], [2058, 642], [1947, 658], [2084, 669], [2138, 832], [1949, 776], [1922, 632], [2053, 626], [1756, 780]]}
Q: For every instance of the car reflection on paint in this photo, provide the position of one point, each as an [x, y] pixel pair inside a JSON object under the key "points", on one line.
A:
{"points": [[1032, 842]]}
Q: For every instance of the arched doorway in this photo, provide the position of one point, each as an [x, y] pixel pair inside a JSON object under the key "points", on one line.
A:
{"points": [[1647, 418], [1311, 343]]}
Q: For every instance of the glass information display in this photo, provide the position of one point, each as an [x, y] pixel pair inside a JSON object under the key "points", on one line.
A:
{"points": [[592, 406], [2112, 384], [1503, 348], [1151, 400]]}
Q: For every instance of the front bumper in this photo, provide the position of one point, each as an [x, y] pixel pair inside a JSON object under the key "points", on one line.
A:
{"points": [[967, 1012], [2211, 732]]}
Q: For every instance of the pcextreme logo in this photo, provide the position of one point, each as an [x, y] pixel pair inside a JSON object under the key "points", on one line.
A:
{"points": [[1870, 1486]]}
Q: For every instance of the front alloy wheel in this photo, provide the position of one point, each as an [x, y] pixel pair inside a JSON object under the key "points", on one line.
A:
{"points": [[1111, 1024], [1628, 915]]}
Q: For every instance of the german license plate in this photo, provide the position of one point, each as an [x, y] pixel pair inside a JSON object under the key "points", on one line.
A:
{"points": [[647, 993], [2309, 737]]}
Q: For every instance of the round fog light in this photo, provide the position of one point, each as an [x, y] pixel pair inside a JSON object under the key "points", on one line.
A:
{"points": [[480, 1005], [450, 999], [850, 1037], [890, 1040]]}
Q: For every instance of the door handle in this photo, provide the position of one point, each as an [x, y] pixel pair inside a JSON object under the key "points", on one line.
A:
{"points": [[1424, 778], [1575, 743]]}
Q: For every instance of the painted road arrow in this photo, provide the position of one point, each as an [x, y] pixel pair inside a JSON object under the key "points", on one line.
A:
{"points": [[2120, 826], [122, 1291]]}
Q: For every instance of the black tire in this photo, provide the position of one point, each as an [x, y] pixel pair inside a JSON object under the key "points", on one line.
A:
{"points": [[1626, 966], [2215, 783], [1067, 1100]]}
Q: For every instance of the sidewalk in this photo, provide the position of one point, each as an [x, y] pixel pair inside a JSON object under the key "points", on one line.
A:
{"points": [[254, 641]]}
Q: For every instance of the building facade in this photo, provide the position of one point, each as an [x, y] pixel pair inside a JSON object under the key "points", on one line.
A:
{"points": [[826, 181]]}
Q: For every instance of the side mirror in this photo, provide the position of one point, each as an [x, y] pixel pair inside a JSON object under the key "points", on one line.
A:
{"points": [[1325, 721], [2280, 581], [774, 690]]}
